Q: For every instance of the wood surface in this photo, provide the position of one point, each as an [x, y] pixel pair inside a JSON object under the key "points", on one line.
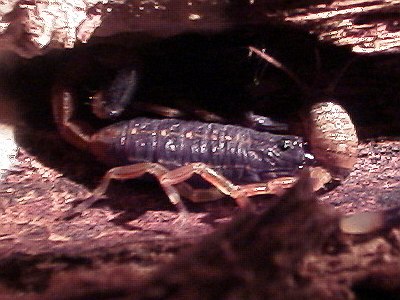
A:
{"points": [[133, 244], [33, 28]]}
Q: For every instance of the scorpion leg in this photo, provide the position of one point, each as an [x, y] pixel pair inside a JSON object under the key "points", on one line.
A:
{"points": [[157, 109], [170, 112], [199, 195], [138, 170], [225, 186], [240, 193]]}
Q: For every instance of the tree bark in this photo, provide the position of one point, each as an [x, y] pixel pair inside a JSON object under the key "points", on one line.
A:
{"points": [[134, 244], [30, 28]]}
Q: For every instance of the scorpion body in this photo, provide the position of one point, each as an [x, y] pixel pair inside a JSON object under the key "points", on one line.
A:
{"points": [[238, 161], [240, 154]]}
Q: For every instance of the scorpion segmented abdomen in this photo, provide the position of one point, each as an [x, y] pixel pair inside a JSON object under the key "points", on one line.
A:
{"points": [[174, 143], [273, 156], [241, 154]]}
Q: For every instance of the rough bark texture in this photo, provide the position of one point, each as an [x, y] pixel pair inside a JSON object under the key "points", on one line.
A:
{"points": [[114, 250], [133, 244], [32, 27], [367, 26]]}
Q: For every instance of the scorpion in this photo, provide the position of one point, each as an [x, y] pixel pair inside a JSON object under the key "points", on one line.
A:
{"points": [[237, 161]]}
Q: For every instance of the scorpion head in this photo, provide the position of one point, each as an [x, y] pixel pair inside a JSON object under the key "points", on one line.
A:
{"points": [[333, 138]]}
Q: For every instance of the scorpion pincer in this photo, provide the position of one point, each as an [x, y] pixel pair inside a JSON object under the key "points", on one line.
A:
{"points": [[237, 161]]}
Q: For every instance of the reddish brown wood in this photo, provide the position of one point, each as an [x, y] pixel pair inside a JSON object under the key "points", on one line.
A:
{"points": [[136, 234], [29, 29]]}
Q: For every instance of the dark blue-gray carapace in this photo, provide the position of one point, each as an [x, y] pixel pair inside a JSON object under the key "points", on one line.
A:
{"points": [[237, 161], [241, 154]]}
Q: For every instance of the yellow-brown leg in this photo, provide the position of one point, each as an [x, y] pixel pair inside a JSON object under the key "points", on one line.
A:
{"points": [[207, 173], [198, 195], [239, 192], [173, 182], [138, 170]]}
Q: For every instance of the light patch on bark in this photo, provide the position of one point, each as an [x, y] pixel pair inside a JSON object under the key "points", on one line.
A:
{"points": [[8, 146], [5, 8], [368, 26], [69, 21]]}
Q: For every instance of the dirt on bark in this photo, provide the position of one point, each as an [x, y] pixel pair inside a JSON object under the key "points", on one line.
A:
{"points": [[135, 245]]}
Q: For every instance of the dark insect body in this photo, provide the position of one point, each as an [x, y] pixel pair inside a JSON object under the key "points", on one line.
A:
{"points": [[238, 161], [152, 144], [240, 154]]}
